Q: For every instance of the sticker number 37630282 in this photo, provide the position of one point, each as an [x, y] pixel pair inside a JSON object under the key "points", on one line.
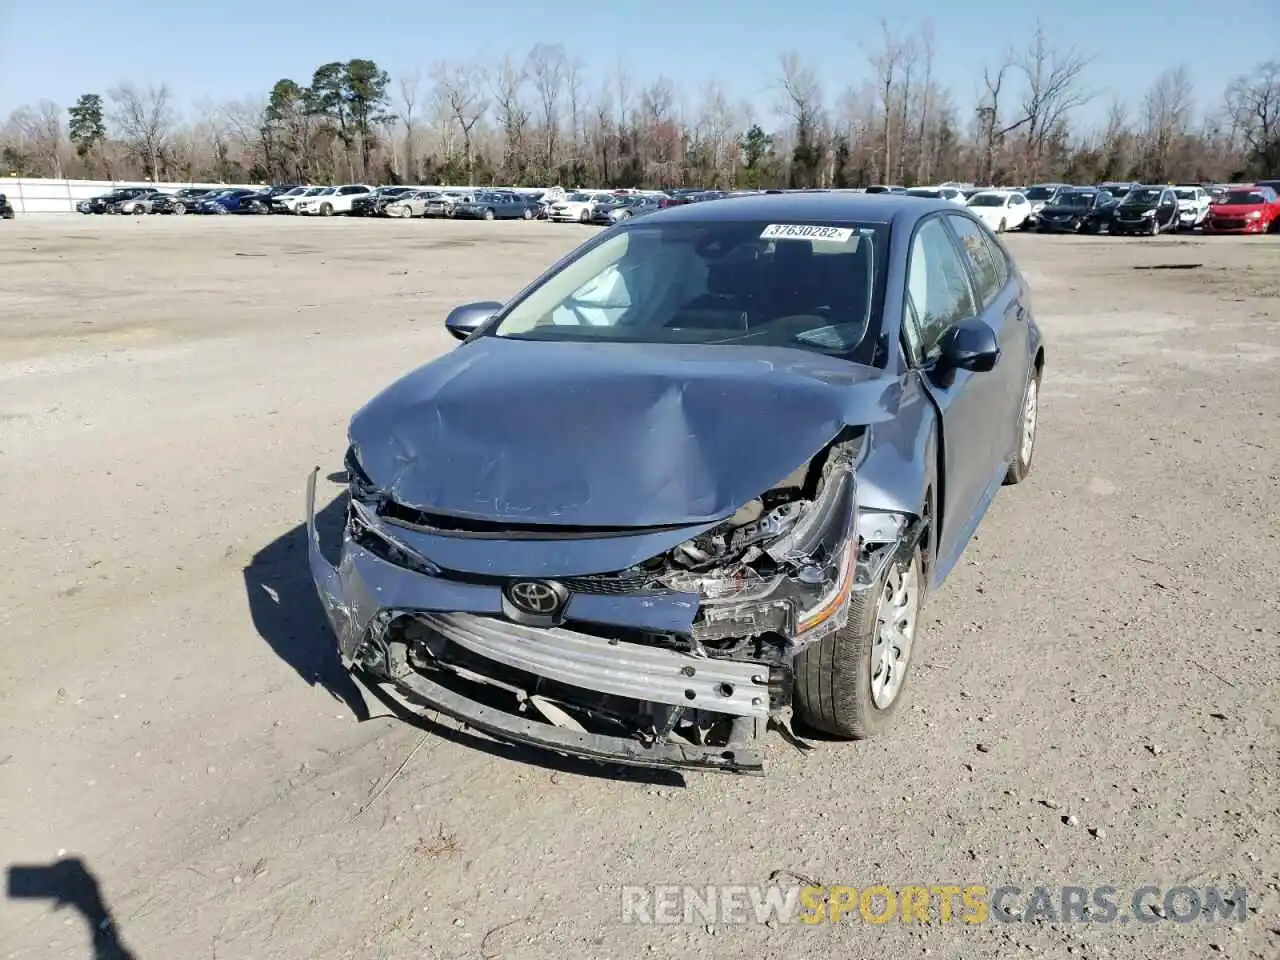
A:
{"points": [[806, 231]]}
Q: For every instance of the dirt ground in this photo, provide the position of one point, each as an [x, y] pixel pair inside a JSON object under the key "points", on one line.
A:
{"points": [[1095, 699]]}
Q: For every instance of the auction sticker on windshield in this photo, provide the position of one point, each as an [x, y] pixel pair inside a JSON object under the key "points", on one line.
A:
{"points": [[806, 231]]}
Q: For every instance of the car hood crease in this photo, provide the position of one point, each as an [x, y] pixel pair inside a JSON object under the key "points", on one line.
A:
{"points": [[608, 434]]}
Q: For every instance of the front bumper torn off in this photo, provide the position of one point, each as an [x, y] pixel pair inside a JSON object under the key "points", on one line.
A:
{"points": [[363, 592]]}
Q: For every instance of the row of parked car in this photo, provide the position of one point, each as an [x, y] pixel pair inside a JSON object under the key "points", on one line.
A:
{"points": [[1118, 208], [362, 200]]}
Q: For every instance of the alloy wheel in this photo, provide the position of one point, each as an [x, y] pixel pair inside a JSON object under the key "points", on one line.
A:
{"points": [[896, 618], [1030, 417]]}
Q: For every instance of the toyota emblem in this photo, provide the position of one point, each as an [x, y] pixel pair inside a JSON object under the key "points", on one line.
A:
{"points": [[536, 597]]}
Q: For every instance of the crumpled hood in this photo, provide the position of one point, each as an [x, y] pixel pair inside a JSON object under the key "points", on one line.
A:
{"points": [[608, 434]]}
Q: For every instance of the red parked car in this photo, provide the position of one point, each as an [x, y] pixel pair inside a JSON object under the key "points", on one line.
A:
{"points": [[1253, 209]]}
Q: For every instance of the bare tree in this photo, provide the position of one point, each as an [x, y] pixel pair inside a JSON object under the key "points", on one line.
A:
{"points": [[886, 60], [410, 84], [244, 124], [1053, 90], [1167, 108], [1253, 102], [716, 123], [622, 84], [989, 120], [547, 66], [459, 88], [926, 51], [573, 87], [144, 121], [802, 104], [513, 115], [42, 128]]}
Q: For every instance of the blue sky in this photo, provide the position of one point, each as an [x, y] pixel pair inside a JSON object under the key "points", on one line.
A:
{"points": [[236, 48]]}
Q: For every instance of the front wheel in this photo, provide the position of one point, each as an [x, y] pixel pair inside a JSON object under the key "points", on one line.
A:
{"points": [[326, 210], [488, 214], [851, 682], [179, 209], [1026, 438]]}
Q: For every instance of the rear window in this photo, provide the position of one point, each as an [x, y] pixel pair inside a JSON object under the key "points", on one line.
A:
{"points": [[1244, 197]]}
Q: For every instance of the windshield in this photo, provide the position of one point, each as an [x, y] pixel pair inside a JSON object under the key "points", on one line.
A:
{"points": [[987, 200], [1073, 199], [1036, 194], [1142, 197], [578, 198], [922, 192], [1119, 192], [782, 285], [1185, 194], [1243, 198]]}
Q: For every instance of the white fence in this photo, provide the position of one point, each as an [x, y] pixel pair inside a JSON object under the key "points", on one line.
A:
{"points": [[61, 196]]}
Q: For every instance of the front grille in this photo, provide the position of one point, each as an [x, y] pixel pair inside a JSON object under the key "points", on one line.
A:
{"points": [[608, 584]]}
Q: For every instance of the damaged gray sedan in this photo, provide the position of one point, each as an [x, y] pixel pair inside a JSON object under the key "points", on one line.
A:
{"points": [[699, 476]]}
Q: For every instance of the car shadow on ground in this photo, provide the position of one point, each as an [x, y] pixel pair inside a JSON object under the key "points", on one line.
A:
{"points": [[69, 883], [287, 614]]}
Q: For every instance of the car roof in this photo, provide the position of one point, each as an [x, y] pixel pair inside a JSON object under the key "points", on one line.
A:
{"points": [[802, 207]]}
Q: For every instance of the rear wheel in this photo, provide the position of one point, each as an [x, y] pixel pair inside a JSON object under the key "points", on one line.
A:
{"points": [[528, 213], [1026, 438], [1004, 225], [179, 209], [586, 216], [852, 682]]}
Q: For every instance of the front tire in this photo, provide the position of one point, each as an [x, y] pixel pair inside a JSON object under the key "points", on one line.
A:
{"points": [[1028, 423], [326, 210], [488, 214], [852, 682]]}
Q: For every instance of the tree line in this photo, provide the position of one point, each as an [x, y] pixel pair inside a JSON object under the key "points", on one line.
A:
{"points": [[538, 119]]}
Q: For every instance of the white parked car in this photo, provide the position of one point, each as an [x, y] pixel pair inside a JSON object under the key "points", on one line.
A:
{"points": [[326, 205], [288, 202], [575, 207], [1000, 210], [1193, 206], [954, 194]]}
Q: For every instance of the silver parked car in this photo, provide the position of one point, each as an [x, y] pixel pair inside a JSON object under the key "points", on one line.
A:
{"points": [[412, 204]]}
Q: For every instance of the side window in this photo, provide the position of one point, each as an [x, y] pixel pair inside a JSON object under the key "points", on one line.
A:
{"points": [[938, 291], [985, 271]]}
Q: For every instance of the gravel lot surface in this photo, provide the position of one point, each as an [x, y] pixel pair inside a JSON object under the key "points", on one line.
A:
{"points": [[1096, 701]]}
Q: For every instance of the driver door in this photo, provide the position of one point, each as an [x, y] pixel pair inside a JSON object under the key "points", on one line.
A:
{"points": [[969, 405]]}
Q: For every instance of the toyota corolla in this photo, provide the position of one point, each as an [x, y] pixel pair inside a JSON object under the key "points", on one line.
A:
{"points": [[697, 478]]}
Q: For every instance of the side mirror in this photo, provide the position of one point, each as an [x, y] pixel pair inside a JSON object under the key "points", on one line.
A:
{"points": [[465, 320], [969, 345]]}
